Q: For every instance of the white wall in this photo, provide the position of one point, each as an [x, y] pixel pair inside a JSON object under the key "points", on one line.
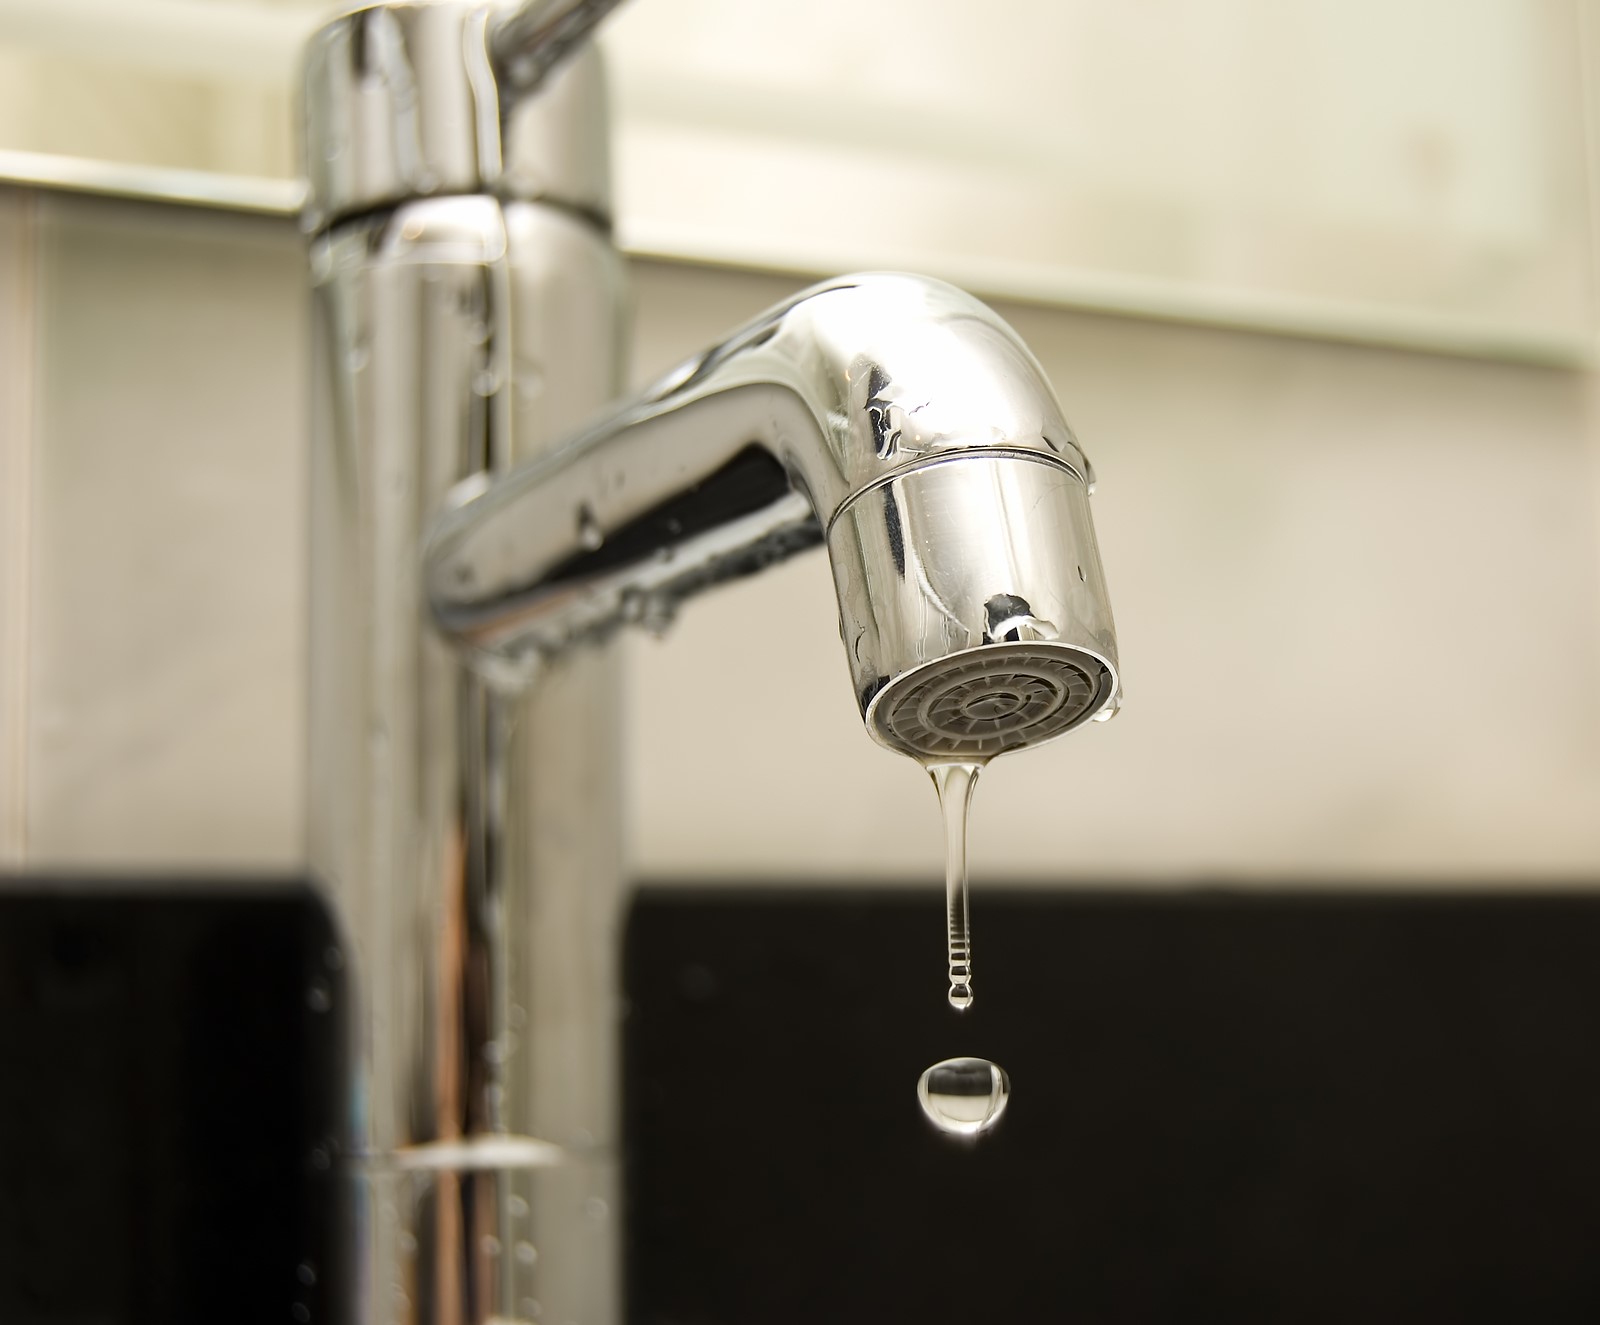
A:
{"points": [[1356, 590]]}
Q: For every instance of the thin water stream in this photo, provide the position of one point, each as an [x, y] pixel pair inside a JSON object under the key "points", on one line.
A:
{"points": [[955, 783], [962, 1097]]}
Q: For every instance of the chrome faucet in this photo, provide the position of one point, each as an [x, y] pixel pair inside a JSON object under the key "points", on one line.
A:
{"points": [[474, 545], [891, 417]]}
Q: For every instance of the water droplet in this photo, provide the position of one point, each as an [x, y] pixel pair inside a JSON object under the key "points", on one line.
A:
{"points": [[301, 1312], [516, 1016], [489, 1245], [516, 1207], [319, 1159], [408, 1243], [590, 535], [333, 959], [1110, 710], [656, 614], [485, 382], [960, 996], [596, 1208], [318, 999], [527, 1253], [306, 1273], [531, 1308], [358, 356], [333, 149], [964, 1096]]}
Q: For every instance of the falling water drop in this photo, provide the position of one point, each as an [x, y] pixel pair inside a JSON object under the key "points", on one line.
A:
{"points": [[964, 1096], [955, 783]]}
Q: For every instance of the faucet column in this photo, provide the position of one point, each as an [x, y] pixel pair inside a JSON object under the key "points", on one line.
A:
{"points": [[466, 311]]}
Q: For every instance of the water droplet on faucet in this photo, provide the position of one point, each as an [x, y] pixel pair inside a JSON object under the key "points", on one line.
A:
{"points": [[590, 535]]}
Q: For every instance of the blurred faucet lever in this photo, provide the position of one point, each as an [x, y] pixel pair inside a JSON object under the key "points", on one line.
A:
{"points": [[527, 42]]}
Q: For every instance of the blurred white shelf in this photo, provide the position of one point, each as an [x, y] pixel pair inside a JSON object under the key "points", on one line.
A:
{"points": [[1416, 175]]}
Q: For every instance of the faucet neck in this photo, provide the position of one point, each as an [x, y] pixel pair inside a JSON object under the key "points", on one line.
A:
{"points": [[833, 415], [415, 100]]}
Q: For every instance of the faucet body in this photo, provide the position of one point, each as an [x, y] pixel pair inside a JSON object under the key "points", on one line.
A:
{"points": [[467, 311]]}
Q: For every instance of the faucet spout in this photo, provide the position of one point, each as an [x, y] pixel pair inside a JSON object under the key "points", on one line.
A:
{"points": [[893, 417]]}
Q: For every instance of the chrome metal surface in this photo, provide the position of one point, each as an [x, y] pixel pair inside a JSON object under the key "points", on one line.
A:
{"points": [[467, 825], [530, 41], [973, 606], [897, 414], [402, 102], [454, 334]]}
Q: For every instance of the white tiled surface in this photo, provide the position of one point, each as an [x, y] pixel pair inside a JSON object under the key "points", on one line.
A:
{"points": [[16, 455], [1358, 595], [167, 637]]}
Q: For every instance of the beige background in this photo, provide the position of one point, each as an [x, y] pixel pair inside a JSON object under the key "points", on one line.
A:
{"points": [[1358, 593], [1415, 173]]}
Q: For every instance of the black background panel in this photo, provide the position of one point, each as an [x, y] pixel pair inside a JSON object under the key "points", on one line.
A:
{"points": [[1258, 1107]]}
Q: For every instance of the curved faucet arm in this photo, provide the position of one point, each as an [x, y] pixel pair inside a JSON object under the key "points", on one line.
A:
{"points": [[739, 457]]}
